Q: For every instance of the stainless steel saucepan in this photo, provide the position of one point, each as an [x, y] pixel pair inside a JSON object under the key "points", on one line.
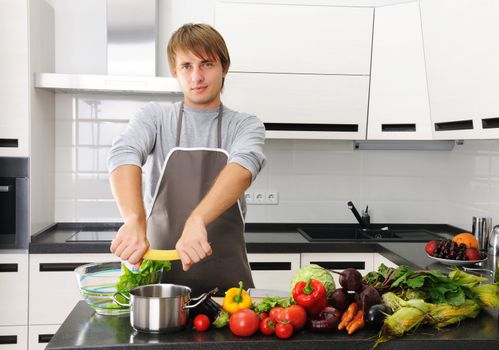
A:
{"points": [[160, 308]]}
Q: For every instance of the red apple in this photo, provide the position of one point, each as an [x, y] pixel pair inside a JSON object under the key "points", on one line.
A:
{"points": [[472, 254], [430, 247]]}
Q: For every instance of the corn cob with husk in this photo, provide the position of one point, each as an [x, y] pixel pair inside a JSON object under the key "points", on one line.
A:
{"points": [[442, 315], [488, 294]]}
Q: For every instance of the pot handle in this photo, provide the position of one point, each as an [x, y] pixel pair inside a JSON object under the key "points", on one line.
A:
{"points": [[119, 302], [200, 299]]}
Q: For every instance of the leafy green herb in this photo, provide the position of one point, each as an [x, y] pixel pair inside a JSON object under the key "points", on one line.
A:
{"points": [[149, 273], [436, 286], [267, 303]]}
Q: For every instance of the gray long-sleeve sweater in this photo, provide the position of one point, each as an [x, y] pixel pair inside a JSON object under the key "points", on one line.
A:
{"points": [[151, 134]]}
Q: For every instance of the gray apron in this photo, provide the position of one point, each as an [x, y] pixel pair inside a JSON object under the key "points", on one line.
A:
{"points": [[188, 174]]}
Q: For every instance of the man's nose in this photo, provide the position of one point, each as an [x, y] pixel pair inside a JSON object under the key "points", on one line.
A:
{"points": [[197, 74]]}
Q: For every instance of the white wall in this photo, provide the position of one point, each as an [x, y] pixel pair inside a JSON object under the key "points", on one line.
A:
{"points": [[315, 179]]}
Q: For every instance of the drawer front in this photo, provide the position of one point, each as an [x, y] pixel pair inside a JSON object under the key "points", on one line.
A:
{"points": [[53, 291], [14, 338], [363, 262], [273, 271], [39, 336], [14, 291]]}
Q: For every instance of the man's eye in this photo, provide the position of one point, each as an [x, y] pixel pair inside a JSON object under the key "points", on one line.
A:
{"points": [[208, 64], [184, 67]]}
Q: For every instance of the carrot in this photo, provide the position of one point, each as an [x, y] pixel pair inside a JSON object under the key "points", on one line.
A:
{"points": [[357, 322], [348, 315]]}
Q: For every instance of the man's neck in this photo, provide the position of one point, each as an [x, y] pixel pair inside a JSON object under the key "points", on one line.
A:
{"points": [[210, 105]]}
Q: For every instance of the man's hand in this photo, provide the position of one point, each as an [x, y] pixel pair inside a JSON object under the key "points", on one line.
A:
{"points": [[130, 243], [193, 245]]}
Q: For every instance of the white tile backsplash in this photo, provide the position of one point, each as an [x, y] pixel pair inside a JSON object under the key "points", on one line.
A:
{"points": [[314, 178]]}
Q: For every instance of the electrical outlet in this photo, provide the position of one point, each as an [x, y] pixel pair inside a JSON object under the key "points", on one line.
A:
{"points": [[272, 197], [250, 198], [259, 197], [262, 198]]}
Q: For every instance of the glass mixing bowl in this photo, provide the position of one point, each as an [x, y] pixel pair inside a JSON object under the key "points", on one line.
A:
{"points": [[97, 286]]}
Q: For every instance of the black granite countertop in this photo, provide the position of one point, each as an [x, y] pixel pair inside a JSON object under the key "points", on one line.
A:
{"points": [[83, 329]]}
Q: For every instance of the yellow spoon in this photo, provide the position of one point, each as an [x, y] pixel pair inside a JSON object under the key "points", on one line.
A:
{"points": [[156, 254]]}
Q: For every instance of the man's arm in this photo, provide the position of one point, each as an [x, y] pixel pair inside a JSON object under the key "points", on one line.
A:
{"points": [[230, 184], [130, 242]]}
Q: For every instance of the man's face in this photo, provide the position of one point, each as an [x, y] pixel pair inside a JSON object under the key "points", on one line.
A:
{"points": [[200, 80]]}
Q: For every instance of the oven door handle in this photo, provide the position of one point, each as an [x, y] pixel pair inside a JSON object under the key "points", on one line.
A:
{"points": [[5, 188]]}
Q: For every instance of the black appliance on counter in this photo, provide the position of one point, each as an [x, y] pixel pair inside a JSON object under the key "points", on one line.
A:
{"points": [[14, 203]]}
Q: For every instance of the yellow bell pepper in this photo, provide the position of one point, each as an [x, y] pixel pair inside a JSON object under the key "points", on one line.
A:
{"points": [[236, 299]]}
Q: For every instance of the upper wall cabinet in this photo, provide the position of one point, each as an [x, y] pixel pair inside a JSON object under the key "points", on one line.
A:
{"points": [[462, 54], [398, 101], [268, 38], [301, 105], [303, 70], [14, 70]]}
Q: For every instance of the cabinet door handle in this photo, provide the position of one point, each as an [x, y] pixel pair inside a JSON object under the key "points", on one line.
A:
{"points": [[5, 188], [270, 266], [8, 339], [340, 265], [456, 125], [9, 267], [409, 127], [44, 338], [9, 143], [59, 267], [490, 123], [312, 127]]}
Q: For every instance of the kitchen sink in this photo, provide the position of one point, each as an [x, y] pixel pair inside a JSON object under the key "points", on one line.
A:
{"points": [[342, 232]]}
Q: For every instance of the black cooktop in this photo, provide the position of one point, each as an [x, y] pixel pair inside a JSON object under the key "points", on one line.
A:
{"points": [[92, 236]]}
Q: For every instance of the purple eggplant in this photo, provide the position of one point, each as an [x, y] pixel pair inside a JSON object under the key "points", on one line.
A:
{"points": [[326, 321]]}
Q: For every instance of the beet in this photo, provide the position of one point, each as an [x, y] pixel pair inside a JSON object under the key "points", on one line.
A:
{"points": [[340, 299], [350, 279], [366, 297]]}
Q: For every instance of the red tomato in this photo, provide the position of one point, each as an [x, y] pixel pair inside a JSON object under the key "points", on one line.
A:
{"points": [[277, 313], [267, 326], [283, 330], [263, 315], [296, 315], [201, 322], [244, 323]]}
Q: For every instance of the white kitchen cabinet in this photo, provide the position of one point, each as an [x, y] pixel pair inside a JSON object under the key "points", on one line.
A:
{"points": [[277, 38], [363, 262], [39, 336], [14, 70], [301, 105], [461, 52], [14, 338], [53, 291], [380, 259], [273, 271], [398, 99], [14, 289]]}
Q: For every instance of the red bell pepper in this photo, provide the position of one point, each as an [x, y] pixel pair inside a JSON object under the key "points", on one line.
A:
{"points": [[311, 295]]}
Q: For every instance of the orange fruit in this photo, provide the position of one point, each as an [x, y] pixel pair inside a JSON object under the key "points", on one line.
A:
{"points": [[467, 238]]}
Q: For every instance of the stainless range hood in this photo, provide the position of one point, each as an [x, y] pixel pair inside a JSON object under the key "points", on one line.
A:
{"points": [[131, 55]]}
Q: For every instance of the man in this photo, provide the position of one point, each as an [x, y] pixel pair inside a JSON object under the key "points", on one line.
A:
{"points": [[203, 157]]}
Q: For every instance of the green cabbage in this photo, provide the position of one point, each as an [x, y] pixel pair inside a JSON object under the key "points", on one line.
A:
{"points": [[315, 272]]}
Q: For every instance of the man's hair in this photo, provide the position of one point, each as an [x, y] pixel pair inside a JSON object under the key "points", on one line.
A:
{"points": [[202, 40]]}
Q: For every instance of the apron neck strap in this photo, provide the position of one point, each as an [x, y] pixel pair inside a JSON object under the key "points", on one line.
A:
{"points": [[219, 125]]}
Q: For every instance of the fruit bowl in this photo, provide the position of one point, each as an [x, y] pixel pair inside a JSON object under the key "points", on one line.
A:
{"points": [[96, 283], [456, 262]]}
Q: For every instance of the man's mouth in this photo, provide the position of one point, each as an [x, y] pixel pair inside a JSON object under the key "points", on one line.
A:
{"points": [[198, 89]]}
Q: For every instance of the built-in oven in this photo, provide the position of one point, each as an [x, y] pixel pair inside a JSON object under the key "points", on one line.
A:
{"points": [[14, 203]]}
